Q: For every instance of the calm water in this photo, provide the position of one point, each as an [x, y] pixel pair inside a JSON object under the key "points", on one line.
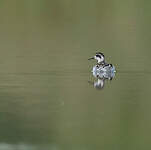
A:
{"points": [[46, 99]]}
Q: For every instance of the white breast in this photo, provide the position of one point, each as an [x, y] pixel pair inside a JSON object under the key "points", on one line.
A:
{"points": [[103, 72]]}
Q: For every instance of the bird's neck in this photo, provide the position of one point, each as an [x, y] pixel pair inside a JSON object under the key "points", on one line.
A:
{"points": [[101, 62]]}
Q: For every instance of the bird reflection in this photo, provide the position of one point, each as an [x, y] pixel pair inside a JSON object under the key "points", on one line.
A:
{"points": [[98, 84]]}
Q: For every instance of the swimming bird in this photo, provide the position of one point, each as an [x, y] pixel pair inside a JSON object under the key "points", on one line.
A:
{"points": [[102, 69]]}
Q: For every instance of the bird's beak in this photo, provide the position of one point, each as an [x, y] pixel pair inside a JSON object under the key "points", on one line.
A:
{"points": [[91, 58]]}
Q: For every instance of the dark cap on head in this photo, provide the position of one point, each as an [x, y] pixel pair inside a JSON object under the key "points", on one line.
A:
{"points": [[99, 53]]}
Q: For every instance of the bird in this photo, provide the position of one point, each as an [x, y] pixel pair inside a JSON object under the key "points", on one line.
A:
{"points": [[102, 69]]}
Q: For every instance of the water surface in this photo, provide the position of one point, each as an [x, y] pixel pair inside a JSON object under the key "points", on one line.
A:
{"points": [[46, 100]]}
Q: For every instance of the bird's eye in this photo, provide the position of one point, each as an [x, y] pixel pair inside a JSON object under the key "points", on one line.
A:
{"points": [[98, 56]]}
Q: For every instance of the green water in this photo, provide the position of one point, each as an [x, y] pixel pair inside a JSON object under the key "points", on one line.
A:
{"points": [[46, 100]]}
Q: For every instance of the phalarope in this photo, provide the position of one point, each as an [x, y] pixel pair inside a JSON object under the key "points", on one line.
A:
{"points": [[102, 69]]}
